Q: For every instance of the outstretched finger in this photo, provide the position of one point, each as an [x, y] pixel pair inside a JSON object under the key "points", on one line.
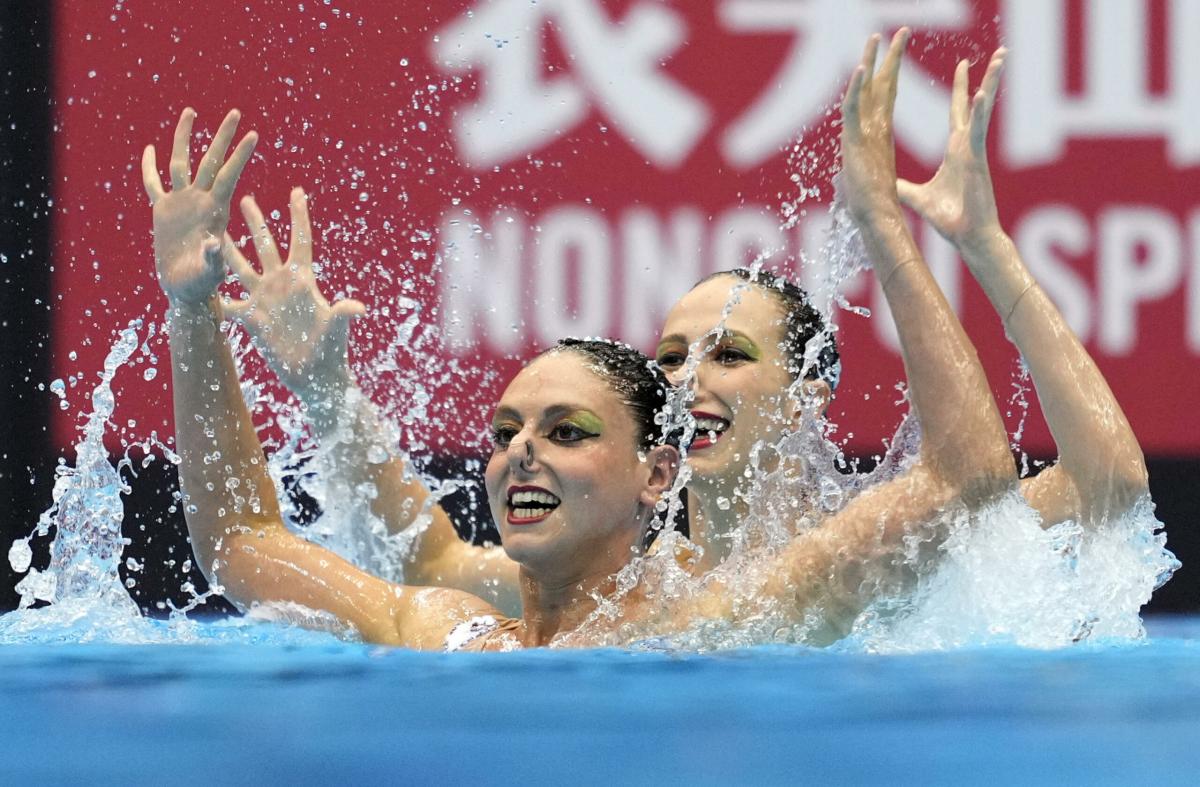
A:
{"points": [[227, 176], [210, 163], [341, 314], [851, 105], [300, 240], [238, 263], [348, 307], [959, 107], [151, 180], [890, 70], [181, 169], [264, 242], [868, 59], [851, 124], [985, 101]]}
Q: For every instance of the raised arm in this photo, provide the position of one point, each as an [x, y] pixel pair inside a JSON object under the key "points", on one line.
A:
{"points": [[1101, 471], [964, 461], [963, 442], [230, 505], [304, 339], [832, 572]]}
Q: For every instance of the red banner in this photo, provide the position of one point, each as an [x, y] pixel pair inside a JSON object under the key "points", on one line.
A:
{"points": [[489, 176]]}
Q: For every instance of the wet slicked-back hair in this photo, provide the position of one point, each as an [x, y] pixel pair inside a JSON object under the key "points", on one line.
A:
{"points": [[802, 323], [639, 382]]}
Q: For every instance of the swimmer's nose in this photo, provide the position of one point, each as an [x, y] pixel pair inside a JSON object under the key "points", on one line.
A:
{"points": [[520, 455]]}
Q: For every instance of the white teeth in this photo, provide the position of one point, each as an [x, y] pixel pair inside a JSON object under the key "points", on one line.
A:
{"points": [[545, 498], [711, 425], [529, 513]]}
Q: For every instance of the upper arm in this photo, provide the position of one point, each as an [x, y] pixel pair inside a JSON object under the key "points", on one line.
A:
{"points": [[875, 542], [487, 572], [441, 557], [1058, 496], [271, 564]]}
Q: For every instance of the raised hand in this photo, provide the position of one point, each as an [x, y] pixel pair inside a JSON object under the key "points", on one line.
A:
{"points": [[959, 201], [867, 182], [190, 219], [301, 334]]}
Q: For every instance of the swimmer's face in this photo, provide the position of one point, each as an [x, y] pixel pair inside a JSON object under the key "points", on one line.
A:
{"points": [[741, 381], [567, 488]]}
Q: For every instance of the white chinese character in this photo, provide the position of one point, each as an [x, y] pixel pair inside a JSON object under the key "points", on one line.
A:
{"points": [[617, 66], [829, 36], [1115, 102]]}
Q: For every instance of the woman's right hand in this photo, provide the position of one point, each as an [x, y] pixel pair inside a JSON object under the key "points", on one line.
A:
{"points": [[190, 219], [867, 181], [301, 334]]}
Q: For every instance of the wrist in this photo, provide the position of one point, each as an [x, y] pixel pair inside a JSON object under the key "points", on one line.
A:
{"points": [[325, 387], [881, 225], [327, 402], [186, 311], [988, 241], [996, 264], [876, 209]]}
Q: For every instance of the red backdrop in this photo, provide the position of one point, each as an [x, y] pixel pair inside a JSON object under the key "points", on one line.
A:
{"points": [[509, 172]]}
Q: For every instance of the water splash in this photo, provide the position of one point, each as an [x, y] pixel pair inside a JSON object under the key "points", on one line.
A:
{"points": [[84, 597]]}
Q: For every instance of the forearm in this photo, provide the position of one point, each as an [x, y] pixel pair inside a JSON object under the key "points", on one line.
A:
{"points": [[1097, 448], [363, 448], [963, 437], [223, 472]]}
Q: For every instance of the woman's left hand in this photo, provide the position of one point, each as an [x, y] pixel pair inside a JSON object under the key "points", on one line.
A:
{"points": [[301, 334], [959, 201]]}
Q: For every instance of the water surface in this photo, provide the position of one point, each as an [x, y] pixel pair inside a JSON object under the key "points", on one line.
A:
{"points": [[305, 708]]}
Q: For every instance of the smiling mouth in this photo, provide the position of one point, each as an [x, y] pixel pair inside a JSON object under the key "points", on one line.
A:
{"points": [[530, 504], [709, 429]]}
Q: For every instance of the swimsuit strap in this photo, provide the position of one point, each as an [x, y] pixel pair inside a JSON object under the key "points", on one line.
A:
{"points": [[468, 631]]}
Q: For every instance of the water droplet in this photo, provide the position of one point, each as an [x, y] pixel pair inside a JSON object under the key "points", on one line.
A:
{"points": [[20, 556]]}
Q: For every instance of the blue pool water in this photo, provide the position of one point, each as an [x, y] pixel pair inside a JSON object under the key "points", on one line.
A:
{"points": [[320, 711]]}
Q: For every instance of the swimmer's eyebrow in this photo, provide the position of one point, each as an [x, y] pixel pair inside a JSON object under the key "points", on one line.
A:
{"points": [[505, 414], [675, 337], [722, 335], [667, 341], [553, 413]]}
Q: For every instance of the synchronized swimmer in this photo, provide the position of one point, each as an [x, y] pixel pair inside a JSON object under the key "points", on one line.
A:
{"points": [[580, 461]]}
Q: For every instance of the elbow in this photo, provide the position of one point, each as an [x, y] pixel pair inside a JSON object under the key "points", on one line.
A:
{"points": [[1114, 493], [1109, 481], [979, 477], [225, 550]]}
